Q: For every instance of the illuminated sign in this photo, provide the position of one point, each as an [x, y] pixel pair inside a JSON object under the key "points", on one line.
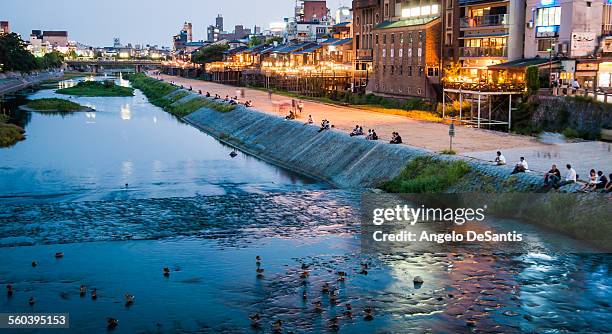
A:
{"points": [[547, 31], [548, 2]]}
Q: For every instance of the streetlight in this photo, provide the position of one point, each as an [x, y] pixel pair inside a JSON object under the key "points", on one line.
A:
{"points": [[451, 134]]}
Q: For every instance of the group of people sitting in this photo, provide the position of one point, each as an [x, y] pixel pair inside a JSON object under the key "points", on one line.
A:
{"points": [[232, 101], [357, 131], [325, 125], [598, 182], [395, 138], [553, 178], [371, 135]]}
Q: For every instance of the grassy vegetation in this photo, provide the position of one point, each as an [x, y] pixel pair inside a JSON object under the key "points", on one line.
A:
{"points": [[156, 91], [54, 104], [427, 175], [97, 88], [9, 133]]}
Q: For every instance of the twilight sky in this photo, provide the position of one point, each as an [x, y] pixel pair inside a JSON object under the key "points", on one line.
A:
{"points": [[141, 21]]}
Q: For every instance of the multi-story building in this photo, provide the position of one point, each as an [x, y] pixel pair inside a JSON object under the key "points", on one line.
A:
{"points": [[490, 32], [219, 22], [406, 57], [4, 27], [55, 38], [189, 29], [366, 14]]}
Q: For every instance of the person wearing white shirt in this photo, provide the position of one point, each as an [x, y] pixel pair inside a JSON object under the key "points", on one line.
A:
{"points": [[521, 167], [500, 159], [570, 176]]}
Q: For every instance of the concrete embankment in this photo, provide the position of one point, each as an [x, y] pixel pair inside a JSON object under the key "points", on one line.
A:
{"points": [[332, 156], [13, 82]]}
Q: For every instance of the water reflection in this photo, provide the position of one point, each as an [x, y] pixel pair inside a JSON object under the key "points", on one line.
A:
{"points": [[126, 114]]}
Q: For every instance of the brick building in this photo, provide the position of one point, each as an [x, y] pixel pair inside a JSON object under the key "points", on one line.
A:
{"points": [[406, 50], [366, 14], [4, 27]]}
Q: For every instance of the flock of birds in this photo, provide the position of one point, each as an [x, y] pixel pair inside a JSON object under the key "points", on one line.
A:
{"points": [[326, 290]]}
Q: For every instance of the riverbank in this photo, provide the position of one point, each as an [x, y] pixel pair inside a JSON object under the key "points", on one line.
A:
{"points": [[10, 134], [107, 88], [13, 81]]}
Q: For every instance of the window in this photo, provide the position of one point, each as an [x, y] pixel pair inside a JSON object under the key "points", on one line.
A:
{"points": [[392, 38], [409, 53], [549, 16], [384, 53], [384, 38], [392, 53], [420, 71], [402, 38], [384, 69], [409, 71], [400, 53], [410, 37], [376, 38], [392, 69], [401, 69], [448, 40], [357, 41], [449, 20], [432, 71], [546, 44]]}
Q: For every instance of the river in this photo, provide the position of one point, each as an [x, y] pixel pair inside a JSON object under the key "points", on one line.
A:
{"points": [[192, 208]]}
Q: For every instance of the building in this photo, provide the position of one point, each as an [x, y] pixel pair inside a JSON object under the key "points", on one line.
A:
{"points": [[4, 27], [490, 32], [219, 23], [366, 14], [189, 29], [313, 11], [406, 50], [179, 41], [343, 14], [212, 34], [55, 38]]}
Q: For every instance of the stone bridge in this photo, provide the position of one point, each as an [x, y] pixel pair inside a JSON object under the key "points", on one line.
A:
{"points": [[96, 65]]}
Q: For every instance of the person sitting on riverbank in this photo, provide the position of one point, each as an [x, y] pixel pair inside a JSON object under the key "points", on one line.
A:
{"points": [[553, 176], [207, 94], [602, 181], [395, 138], [291, 115], [325, 125], [309, 121], [358, 131], [217, 97], [592, 181], [190, 88], [521, 166], [570, 177], [233, 102], [226, 98], [500, 160], [248, 103], [608, 187], [372, 135]]}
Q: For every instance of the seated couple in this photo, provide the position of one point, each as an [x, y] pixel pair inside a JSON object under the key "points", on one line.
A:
{"points": [[358, 131]]}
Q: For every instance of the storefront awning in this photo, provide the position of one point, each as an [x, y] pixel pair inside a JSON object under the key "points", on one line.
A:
{"points": [[519, 64]]}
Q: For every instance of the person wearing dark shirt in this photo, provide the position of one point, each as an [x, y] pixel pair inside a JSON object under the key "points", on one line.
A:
{"points": [[602, 181], [553, 176]]}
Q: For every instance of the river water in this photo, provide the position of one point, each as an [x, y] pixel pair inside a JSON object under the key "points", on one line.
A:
{"points": [[190, 207]]}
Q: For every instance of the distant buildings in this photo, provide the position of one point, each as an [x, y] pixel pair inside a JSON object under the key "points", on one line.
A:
{"points": [[187, 27], [311, 22], [4, 27]]}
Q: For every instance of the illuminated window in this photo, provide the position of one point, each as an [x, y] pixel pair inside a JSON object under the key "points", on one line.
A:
{"points": [[549, 16]]}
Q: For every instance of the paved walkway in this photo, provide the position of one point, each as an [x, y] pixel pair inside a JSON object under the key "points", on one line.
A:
{"points": [[469, 142]]}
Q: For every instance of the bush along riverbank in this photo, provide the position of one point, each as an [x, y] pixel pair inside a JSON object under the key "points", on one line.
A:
{"points": [[54, 105], [172, 99], [106, 88], [10, 134]]}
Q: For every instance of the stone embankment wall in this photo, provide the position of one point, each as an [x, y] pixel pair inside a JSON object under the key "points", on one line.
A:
{"points": [[333, 156], [12, 82]]}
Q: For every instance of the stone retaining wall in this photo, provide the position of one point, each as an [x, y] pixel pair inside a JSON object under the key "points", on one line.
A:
{"points": [[332, 156]]}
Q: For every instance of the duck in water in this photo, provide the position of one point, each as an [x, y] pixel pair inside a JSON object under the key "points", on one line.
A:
{"points": [[317, 306], [259, 272], [364, 269], [333, 324], [233, 154], [94, 294], [349, 311], [167, 272], [129, 299], [255, 319], [9, 290], [82, 290], [333, 297], [341, 276], [325, 288], [59, 255], [31, 301], [111, 323], [34, 264], [368, 313], [277, 326]]}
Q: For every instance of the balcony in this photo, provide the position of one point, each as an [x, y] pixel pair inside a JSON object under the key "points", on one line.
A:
{"points": [[492, 52], [364, 54], [484, 21]]}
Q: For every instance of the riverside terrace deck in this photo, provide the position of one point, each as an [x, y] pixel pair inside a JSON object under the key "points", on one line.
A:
{"points": [[469, 142]]}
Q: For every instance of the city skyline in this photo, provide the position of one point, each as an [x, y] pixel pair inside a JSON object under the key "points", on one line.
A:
{"points": [[92, 29]]}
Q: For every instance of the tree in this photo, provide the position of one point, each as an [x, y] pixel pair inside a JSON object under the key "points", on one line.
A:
{"points": [[277, 39], [209, 54], [14, 56], [532, 79], [255, 41]]}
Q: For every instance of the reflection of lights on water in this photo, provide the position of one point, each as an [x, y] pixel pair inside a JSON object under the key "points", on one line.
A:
{"points": [[126, 168], [122, 82], [154, 119], [126, 114], [91, 115], [67, 84]]}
